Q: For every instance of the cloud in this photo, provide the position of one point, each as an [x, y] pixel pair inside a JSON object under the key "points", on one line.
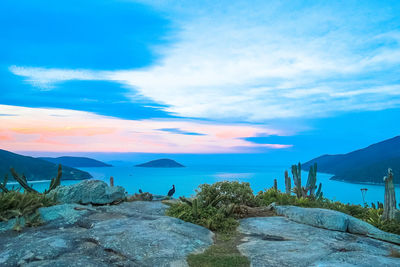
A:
{"points": [[41, 129], [47, 78], [267, 60], [179, 131]]}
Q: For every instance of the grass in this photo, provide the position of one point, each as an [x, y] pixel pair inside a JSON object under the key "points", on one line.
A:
{"points": [[223, 253], [394, 253]]}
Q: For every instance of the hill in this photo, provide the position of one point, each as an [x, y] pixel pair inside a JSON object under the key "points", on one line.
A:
{"points": [[78, 162], [367, 165], [36, 169], [161, 163]]}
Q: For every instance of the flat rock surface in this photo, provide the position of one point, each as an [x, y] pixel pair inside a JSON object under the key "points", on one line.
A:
{"points": [[277, 241], [129, 234]]}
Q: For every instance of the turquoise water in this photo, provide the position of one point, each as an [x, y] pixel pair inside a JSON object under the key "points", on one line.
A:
{"points": [[186, 180]]}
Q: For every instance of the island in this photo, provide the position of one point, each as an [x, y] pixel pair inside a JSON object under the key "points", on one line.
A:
{"points": [[367, 165], [76, 162], [36, 169], [161, 163]]}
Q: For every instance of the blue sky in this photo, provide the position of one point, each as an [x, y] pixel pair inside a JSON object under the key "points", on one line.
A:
{"points": [[308, 77]]}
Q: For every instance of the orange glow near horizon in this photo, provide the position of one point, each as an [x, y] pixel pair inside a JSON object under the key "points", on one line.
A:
{"points": [[60, 130]]}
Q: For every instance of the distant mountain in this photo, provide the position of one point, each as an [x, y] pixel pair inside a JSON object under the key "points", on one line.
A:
{"points": [[161, 163], [36, 169], [77, 162], [367, 165]]}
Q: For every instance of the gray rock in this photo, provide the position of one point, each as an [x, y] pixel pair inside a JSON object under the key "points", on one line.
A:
{"points": [[130, 234], [277, 241], [357, 226], [334, 220], [89, 192], [323, 218]]}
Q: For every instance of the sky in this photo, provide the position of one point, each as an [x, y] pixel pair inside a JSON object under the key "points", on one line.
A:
{"points": [[306, 77]]}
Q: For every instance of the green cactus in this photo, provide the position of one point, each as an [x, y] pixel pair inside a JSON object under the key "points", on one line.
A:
{"points": [[312, 179], [276, 184], [4, 184], [22, 181], [296, 171], [319, 193], [55, 181], [288, 183]]}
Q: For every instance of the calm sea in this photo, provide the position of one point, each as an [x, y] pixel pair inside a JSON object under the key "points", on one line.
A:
{"points": [[186, 180]]}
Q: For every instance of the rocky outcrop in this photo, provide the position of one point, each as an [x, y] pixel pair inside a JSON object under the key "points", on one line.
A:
{"points": [[128, 234], [89, 192], [278, 241], [334, 220]]}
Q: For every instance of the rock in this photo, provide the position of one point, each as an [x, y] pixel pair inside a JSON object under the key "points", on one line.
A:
{"points": [[277, 241], [357, 226], [129, 234], [334, 220], [89, 192], [327, 219]]}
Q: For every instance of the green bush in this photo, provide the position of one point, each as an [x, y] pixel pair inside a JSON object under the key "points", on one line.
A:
{"points": [[214, 205], [228, 193]]}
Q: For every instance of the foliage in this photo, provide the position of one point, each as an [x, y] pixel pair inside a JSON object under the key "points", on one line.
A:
{"points": [[23, 206], [214, 205], [227, 193]]}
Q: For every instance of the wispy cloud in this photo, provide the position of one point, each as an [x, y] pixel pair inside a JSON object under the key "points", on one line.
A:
{"points": [[264, 61], [40, 129], [179, 131]]}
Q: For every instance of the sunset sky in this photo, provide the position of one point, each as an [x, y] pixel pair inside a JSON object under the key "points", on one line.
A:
{"points": [[198, 76]]}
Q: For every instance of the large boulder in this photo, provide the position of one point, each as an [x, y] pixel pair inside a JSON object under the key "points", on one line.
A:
{"points": [[89, 192], [129, 234], [277, 241], [334, 220], [327, 219]]}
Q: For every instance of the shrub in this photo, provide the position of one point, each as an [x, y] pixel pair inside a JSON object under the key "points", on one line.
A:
{"points": [[228, 193], [214, 205], [15, 204]]}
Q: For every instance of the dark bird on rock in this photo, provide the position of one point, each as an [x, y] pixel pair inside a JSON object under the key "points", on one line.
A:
{"points": [[172, 191], [140, 191]]}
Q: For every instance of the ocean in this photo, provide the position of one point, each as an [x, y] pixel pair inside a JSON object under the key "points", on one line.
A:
{"points": [[186, 180]]}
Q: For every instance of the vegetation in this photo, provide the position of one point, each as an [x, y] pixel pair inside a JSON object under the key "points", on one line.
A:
{"points": [[215, 206], [23, 206], [223, 253]]}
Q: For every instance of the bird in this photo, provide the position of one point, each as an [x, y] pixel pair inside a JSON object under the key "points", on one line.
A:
{"points": [[140, 191], [172, 191]]}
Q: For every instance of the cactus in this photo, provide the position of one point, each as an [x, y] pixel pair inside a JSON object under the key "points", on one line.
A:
{"points": [[4, 184], [22, 181], [389, 207], [288, 183], [319, 193], [296, 171], [276, 185], [111, 181], [55, 181], [312, 179]]}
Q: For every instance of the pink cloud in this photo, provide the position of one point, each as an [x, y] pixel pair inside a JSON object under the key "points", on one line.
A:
{"points": [[40, 129]]}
